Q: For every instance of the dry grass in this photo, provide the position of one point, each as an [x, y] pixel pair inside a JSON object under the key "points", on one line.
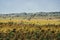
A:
{"points": [[34, 29]]}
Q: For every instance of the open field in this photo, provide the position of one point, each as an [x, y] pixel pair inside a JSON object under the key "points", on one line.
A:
{"points": [[34, 29], [30, 26]]}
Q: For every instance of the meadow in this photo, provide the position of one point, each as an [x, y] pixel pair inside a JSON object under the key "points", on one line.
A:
{"points": [[34, 29]]}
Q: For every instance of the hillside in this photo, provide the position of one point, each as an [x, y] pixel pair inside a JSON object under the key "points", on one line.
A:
{"points": [[39, 15]]}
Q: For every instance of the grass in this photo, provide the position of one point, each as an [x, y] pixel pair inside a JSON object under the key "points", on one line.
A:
{"points": [[34, 29]]}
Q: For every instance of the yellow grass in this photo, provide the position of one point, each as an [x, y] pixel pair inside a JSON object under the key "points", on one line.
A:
{"points": [[32, 21]]}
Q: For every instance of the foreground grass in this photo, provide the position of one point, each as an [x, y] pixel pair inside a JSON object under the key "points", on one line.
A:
{"points": [[30, 30]]}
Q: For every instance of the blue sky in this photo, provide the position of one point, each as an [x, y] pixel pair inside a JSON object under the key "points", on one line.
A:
{"points": [[17, 6]]}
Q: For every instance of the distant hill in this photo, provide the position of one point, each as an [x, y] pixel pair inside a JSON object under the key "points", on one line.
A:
{"points": [[42, 15]]}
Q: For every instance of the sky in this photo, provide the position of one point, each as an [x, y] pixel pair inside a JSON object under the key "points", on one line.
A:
{"points": [[18, 6]]}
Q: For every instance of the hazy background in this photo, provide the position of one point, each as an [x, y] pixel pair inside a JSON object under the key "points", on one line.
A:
{"points": [[17, 6]]}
